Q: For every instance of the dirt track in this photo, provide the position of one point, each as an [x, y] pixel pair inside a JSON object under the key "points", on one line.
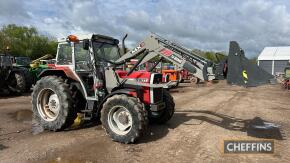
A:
{"points": [[204, 117]]}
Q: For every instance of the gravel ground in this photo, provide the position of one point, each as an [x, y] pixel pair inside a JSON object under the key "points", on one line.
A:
{"points": [[204, 117]]}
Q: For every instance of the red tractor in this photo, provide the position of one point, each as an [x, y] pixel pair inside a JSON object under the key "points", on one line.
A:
{"points": [[85, 80]]}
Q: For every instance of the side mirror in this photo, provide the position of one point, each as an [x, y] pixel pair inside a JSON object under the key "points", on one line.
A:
{"points": [[86, 44]]}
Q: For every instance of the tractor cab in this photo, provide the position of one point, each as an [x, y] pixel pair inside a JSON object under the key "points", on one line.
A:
{"points": [[84, 58]]}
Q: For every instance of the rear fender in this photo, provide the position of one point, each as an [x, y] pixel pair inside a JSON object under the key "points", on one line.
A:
{"points": [[62, 73]]}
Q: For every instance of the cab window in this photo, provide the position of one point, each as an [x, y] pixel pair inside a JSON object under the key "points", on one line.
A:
{"points": [[82, 57], [64, 56]]}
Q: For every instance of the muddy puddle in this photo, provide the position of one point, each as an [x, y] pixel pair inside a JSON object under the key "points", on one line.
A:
{"points": [[22, 115], [26, 116]]}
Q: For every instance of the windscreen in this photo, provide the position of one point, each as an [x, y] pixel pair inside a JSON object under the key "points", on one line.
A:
{"points": [[106, 52], [22, 61]]}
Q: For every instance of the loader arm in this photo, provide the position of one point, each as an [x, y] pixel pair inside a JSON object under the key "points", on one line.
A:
{"points": [[180, 56]]}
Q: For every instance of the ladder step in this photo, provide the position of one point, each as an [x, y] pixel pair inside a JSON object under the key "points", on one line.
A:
{"points": [[86, 111], [87, 118]]}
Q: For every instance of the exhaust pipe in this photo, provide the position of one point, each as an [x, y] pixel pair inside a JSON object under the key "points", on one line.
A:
{"points": [[123, 43]]}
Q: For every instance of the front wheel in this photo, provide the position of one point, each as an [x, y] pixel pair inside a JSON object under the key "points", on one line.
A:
{"points": [[124, 118], [166, 114]]}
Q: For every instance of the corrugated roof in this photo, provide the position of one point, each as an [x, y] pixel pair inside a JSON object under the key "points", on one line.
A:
{"points": [[275, 53]]}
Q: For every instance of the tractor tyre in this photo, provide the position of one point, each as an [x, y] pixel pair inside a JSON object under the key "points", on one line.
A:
{"points": [[20, 80], [166, 114], [28, 79], [52, 104], [124, 118], [16, 83]]}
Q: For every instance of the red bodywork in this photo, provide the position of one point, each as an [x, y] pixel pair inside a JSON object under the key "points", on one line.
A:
{"points": [[51, 65], [184, 75], [166, 52], [144, 77]]}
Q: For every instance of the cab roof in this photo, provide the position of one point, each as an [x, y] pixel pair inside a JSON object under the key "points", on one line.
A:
{"points": [[96, 37]]}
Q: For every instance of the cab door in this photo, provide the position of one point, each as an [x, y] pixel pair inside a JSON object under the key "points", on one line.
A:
{"points": [[83, 68]]}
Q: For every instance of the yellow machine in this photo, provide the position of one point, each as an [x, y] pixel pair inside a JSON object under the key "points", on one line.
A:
{"points": [[35, 63]]}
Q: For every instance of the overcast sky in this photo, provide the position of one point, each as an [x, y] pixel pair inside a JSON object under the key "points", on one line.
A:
{"points": [[200, 24]]}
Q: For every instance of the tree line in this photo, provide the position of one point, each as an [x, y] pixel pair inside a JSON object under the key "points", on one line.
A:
{"points": [[215, 57], [25, 41]]}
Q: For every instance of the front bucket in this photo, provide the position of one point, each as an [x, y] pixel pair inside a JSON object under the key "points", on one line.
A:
{"points": [[243, 72]]}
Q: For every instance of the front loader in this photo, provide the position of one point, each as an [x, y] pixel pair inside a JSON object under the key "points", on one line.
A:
{"points": [[233, 68], [157, 46]]}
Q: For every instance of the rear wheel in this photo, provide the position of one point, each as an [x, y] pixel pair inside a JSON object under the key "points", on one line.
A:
{"points": [[20, 80], [124, 118], [28, 79], [16, 82], [23, 79], [52, 103]]}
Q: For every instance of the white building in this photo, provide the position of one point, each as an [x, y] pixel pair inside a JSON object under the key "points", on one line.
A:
{"points": [[274, 59]]}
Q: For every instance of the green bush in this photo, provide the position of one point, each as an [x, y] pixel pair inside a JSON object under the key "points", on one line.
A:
{"points": [[25, 41]]}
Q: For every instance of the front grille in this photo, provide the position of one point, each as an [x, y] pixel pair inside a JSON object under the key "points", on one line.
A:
{"points": [[157, 78], [157, 94]]}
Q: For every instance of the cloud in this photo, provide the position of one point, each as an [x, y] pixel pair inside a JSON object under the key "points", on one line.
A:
{"points": [[201, 24], [12, 11]]}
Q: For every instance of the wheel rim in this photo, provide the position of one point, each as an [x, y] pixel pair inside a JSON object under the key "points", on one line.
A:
{"points": [[120, 120], [194, 80], [48, 105]]}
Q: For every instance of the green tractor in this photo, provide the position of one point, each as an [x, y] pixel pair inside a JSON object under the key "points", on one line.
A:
{"points": [[38, 65], [13, 79], [33, 67]]}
